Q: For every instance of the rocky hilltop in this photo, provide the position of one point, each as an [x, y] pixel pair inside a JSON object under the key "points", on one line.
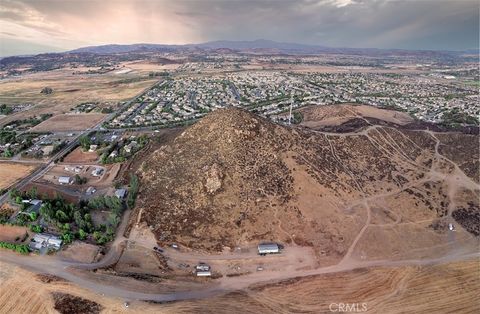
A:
{"points": [[235, 178]]}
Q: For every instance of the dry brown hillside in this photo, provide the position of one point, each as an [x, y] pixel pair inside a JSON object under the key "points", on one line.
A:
{"points": [[234, 179]]}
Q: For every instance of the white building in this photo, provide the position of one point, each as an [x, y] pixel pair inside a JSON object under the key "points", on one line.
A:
{"points": [[97, 172], [268, 248], [120, 193], [204, 273], [91, 190], [64, 180], [45, 240]]}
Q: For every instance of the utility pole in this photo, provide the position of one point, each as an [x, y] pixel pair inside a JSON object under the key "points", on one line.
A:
{"points": [[291, 107]]}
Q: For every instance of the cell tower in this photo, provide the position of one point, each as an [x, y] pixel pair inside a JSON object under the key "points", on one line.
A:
{"points": [[291, 107]]}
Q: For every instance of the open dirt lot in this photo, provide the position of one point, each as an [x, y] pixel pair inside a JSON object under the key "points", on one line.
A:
{"points": [[68, 122], [80, 252], [11, 172], [11, 233], [78, 156], [424, 289]]}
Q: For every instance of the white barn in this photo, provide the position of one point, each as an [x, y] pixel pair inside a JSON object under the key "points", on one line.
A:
{"points": [[268, 248], [64, 180]]}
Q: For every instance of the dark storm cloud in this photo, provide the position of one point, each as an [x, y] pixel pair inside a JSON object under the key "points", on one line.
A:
{"points": [[424, 24], [400, 24]]}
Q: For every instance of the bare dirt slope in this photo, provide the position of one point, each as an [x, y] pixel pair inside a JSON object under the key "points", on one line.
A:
{"points": [[315, 116], [235, 179]]}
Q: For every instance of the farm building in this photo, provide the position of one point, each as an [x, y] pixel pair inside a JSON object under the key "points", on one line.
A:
{"points": [[268, 248], [120, 193], [97, 172], [36, 204], [64, 180], [45, 241], [204, 273]]}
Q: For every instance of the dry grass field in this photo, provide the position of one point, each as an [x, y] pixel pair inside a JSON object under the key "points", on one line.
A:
{"points": [[12, 233], [68, 122], [11, 172], [71, 89], [447, 288], [79, 156]]}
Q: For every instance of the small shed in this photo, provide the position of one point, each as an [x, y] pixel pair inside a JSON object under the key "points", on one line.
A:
{"points": [[204, 273], [91, 190], [97, 172]]}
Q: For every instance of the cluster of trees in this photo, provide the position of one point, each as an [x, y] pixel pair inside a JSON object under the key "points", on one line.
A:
{"points": [[22, 141], [64, 215], [17, 196], [7, 137], [132, 191], [142, 140], [36, 228], [74, 221], [4, 109], [20, 248], [107, 110], [85, 142], [456, 116], [57, 147], [8, 153], [297, 117], [106, 232], [80, 180]]}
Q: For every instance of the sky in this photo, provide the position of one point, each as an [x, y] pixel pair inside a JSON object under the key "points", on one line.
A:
{"points": [[34, 26]]}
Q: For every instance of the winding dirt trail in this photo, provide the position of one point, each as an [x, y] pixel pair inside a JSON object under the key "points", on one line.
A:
{"points": [[69, 270]]}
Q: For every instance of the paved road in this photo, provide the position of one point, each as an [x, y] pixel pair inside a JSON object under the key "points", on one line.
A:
{"points": [[39, 172]]}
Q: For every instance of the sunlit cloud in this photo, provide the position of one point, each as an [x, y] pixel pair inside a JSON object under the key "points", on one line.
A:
{"points": [[407, 24]]}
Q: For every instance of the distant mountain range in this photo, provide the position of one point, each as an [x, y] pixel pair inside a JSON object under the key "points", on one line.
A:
{"points": [[259, 45], [219, 44]]}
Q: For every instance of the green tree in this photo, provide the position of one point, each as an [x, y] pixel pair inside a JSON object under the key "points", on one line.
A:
{"points": [[85, 142], [82, 235], [36, 228], [32, 193], [61, 216], [80, 180], [132, 192], [68, 237], [13, 194]]}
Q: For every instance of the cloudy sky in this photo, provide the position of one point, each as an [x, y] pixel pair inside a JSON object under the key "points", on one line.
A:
{"points": [[32, 26]]}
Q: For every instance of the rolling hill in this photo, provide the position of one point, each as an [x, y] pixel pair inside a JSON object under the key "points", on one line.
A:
{"points": [[234, 179]]}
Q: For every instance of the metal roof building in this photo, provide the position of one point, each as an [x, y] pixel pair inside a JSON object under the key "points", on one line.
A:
{"points": [[204, 273], [120, 193], [268, 248], [64, 180]]}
